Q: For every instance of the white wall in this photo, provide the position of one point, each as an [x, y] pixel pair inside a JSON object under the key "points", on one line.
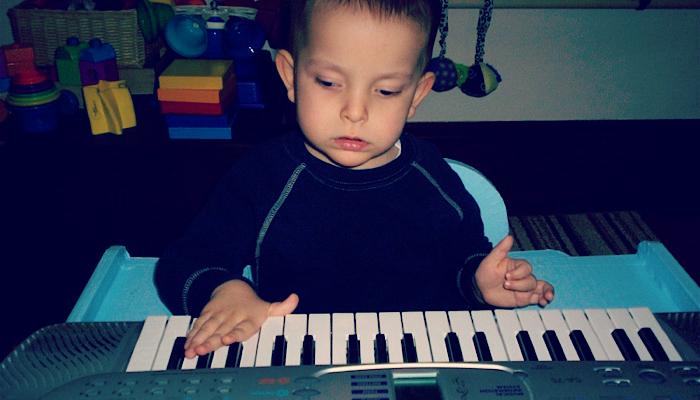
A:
{"points": [[568, 64], [577, 64]]}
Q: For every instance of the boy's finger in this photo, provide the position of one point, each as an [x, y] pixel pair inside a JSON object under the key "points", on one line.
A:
{"points": [[209, 345], [527, 284], [501, 250], [282, 308], [521, 269], [240, 333]]}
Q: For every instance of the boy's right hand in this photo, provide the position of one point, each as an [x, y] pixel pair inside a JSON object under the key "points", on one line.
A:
{"points": [[234, 313]]}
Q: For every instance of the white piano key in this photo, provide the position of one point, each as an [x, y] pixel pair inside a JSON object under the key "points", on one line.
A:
{"points": [[190, 363], [484, 322], [271, 328], [146, 347], [644, 318], [249, 351], [554, 320], [438, 328], [218, 360], [603, 328], [531, 322], [320, 329], [414, 323], [367, 328], [509, 326], [177, 326], [294, 332], [390, 326], [343, 327], [461, 325], [622, 319], [576, 320]]}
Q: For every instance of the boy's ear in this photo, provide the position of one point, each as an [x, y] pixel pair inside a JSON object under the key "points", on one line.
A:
{"points": [[285, 68], [425, 84]]}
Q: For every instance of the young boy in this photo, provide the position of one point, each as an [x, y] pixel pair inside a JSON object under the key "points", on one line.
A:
{"points": [[349, 213]]}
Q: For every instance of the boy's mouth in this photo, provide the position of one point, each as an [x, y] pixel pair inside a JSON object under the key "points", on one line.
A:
{"points": [[350, 143]]}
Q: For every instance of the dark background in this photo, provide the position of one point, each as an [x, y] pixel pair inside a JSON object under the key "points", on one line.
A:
{"points": [[66, 197]]}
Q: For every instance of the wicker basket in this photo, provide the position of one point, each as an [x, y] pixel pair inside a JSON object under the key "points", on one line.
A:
{"points": [[47, 29]]}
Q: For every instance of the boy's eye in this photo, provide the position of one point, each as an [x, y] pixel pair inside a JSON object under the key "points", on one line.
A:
{"points": [[324, 82], [388, 93]]}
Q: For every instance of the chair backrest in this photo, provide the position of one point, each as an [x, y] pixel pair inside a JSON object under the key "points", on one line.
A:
{"points": [[493, 209]]}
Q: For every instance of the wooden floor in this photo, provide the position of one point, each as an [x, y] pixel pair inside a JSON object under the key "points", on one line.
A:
{"points": [[64, 201]]}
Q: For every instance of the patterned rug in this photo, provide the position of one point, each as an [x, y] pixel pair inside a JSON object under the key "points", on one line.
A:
{"points": [[600, 233]]}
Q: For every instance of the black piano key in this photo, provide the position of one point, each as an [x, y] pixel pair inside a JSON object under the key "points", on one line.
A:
{"points": [[308, 351], [526, 346], [177, 354], [408, 346], [233, 358], [553, 346], [651, 342], [353, 349], [381, 354], [204, 361], [482, 347], [581, 345], [625, 345], [279, 351], [454, 350]]}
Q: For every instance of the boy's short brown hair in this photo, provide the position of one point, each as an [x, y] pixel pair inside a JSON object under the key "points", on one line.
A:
{"points": [[425, 13]]}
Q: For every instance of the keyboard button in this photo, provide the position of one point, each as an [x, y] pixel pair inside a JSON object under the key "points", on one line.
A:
{"points": [[576, 321], [644, 318], [390, 327], [353, 349], [177, 354], [438, 328], [308, 351], [461, 325], [653, 345], [583, 350], [484, 322], [454, 350], [625, 345], [526, 347], [409, 348], [343, 327], [381, 355], [509, 326], [414, 323], [556, 352], [554, 320], [481, 344], [294, 332], [320, 329]]}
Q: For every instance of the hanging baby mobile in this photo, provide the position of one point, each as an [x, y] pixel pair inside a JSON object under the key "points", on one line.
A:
{"points": [[477, 80]]}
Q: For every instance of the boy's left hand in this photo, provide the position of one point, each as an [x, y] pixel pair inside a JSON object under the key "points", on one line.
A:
{"points": [[509, 282]]}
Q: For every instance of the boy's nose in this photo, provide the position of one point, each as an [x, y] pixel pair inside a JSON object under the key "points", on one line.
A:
{"points": [[354, 109]]}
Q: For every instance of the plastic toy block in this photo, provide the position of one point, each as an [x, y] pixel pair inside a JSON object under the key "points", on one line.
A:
{"points": [[200, 133], [249, 94], [201, 121], [197, 95], [18, 53], [98, 62], [109, 107], [197, 74], [181, 107], [68, 62]]}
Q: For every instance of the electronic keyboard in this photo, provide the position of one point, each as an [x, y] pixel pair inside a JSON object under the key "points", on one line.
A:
{"points": [[624, 352]]}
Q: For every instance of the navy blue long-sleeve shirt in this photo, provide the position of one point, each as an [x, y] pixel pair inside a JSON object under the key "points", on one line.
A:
{"points": [[403, 236]]}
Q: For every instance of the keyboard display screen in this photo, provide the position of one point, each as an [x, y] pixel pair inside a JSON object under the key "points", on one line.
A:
{"points": [[424, 388]]}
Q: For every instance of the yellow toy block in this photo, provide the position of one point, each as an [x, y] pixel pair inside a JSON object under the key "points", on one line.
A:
{"points": [[197, 74], [109, 106]]}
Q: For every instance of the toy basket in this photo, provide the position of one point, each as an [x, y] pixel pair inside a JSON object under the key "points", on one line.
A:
{"points": [[48, 29]]}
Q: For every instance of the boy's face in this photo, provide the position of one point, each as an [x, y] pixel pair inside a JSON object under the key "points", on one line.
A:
{"points": [[355, 84]]}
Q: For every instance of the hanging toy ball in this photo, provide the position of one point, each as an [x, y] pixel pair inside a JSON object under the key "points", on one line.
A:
{"points": [[482, 79], [445, 73]]}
